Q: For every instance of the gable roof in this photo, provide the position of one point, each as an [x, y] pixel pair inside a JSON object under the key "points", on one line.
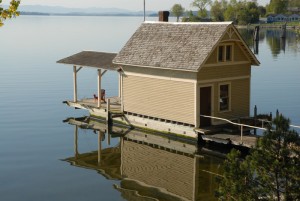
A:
{"points": [[176, 46]]}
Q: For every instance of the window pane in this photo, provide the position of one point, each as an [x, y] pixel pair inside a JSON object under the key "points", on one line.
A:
{"points": [[224, 97], [220, 58], [228, 53]]}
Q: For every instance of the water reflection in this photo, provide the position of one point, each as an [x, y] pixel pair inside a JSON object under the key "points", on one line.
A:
{"points": [[148, 166], [276, 43]]}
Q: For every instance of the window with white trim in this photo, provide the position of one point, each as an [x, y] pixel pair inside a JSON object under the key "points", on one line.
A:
{"points": [[225, 53], [224, 99]]}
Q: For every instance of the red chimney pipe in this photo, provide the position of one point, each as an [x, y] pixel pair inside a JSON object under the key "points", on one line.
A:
{"points": [[163, 16]]}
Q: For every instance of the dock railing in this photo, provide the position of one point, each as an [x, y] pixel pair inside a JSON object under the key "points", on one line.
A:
{"points": [[267, 121], [246, 125], [234, 123]]}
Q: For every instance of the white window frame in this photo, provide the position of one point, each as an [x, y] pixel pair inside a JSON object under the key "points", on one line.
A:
{"points": [[229, 96]]}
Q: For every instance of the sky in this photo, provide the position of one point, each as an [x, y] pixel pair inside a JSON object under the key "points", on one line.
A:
{"points": [[124, 4]]}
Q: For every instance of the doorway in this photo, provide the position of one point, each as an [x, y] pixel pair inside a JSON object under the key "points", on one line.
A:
{"points": [[205, 106]]}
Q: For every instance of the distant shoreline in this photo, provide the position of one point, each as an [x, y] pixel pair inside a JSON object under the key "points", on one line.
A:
{"points": [[88, 14]]}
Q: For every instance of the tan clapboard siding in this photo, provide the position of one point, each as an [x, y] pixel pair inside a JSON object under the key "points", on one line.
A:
{"points": [[239, 54], [159, 168], [161, 72], [225, 37], [219, 72], [213, 57], [166, 99], [240, 99], [235, 37]]}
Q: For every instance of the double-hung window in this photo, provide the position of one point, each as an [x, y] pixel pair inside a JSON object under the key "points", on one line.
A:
{"points": [[224, 97]]}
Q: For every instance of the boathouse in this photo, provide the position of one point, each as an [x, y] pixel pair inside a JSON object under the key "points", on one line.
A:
{"points": [[175, 76]]}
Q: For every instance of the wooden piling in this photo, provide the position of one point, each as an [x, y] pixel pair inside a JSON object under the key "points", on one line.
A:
{"points": [[108, 116], [256, 33], [283, 29]]}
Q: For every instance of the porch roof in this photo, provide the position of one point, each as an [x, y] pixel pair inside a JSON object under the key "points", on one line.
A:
{"points": [[94, 59]]}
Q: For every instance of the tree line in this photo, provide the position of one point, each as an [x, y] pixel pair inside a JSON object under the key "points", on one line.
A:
{"points": [[239, 11]]}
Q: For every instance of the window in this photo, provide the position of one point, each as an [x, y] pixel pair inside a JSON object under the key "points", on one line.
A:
{"points": [[225, 53], [221, 53], [228, 52], [224, 97]]}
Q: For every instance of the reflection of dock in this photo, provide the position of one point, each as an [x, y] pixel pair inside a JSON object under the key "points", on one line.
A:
{"points": [[149, 166]]}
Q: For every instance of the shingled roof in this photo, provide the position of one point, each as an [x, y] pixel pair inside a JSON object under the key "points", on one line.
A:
{"points": [[178, 46], [91, 59]]}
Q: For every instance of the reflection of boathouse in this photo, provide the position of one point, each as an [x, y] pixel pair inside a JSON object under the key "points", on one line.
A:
{"points": [[150, 167], [173, 77]]}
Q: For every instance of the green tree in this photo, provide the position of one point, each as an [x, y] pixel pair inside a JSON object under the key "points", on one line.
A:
{"points": [[270, 172], [10, 12], [294, 3], [177, 10], [277, 6], [262, 11], [217, 10], [201, 5], [242, 12], [231, 11]]}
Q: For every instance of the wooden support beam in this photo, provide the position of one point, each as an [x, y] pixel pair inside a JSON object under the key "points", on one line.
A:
{"points": [[103, 72], [78, 69], [99, 88], [75, 83]]}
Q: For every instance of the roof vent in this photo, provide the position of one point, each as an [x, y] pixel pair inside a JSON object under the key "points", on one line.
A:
{"points": [[163, 16]]}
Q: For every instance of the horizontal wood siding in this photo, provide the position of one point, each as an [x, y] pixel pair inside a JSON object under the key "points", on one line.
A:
{"points": [[159, 168], [213, 57], [166, 99], [240, 99], [219, 72], [239, 54]]}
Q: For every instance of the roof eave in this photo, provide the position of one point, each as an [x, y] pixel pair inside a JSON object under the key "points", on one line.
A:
{"points": [[155, 67]]}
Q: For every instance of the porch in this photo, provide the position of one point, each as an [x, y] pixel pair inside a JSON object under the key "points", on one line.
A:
{"points": [[92, 103], [101, 62]]}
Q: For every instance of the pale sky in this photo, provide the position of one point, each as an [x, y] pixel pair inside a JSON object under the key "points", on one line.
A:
{"points": [[124, 4]]}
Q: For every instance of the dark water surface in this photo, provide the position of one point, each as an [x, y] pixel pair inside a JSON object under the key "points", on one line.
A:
{"points": [[34, 142]]}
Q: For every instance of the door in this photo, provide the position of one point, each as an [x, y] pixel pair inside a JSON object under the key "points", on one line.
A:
{"points": [[205, 106]]}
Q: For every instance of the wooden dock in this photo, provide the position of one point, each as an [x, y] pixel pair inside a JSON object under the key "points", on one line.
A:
{"points": [[234, 139]]}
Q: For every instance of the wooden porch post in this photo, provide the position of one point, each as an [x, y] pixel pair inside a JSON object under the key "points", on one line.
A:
{"points": [[121, 93], [197, 105], [120, 85], [99, 88], [75, 83]]}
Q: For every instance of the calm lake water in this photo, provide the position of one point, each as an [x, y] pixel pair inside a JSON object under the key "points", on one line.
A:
{"points": [[37, 148]]}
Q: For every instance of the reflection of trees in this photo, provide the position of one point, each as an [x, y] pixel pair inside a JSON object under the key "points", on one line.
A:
{"points": [[277, 43], [247, 35], [274, 40]]}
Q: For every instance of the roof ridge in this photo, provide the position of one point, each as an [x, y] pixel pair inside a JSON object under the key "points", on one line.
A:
{"points": [[190, 23]]}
